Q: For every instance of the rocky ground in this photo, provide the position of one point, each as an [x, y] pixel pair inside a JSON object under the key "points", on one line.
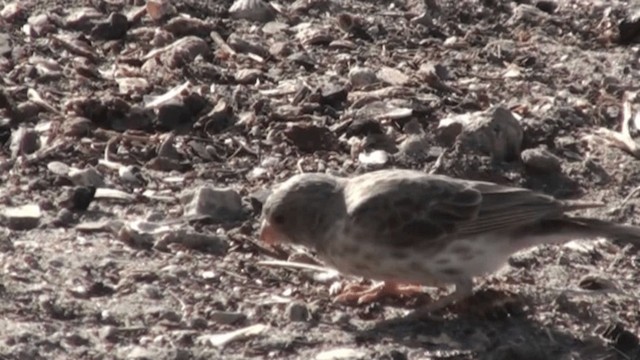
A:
{"points": [[139, 141]]}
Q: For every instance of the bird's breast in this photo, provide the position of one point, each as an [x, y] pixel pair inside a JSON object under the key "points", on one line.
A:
{"points": [[460, 258]]}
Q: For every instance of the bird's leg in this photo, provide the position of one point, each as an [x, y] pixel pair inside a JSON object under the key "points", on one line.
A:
{"points": [[463, 289], [368, 294]]}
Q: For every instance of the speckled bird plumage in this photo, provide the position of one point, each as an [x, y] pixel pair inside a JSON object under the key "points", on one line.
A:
{"points": [[408, 226]]}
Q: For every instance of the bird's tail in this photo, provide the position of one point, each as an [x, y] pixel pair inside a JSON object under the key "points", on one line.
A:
{"points": [[558, 231], [603, 228], [580, 205]]}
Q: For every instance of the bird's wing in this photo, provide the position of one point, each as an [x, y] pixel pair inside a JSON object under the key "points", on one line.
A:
{"points": [[410, 208]]}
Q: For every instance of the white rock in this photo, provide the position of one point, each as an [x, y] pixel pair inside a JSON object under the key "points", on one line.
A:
{"points": [[24, 217]]}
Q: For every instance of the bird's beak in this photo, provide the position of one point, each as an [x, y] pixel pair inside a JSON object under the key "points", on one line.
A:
{"points": [[268, 234]]}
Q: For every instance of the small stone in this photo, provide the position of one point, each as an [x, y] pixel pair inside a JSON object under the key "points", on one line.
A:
{"points": [[373, 158], [217, 204], [141, 353], [253, 10], [87, 177], [109, 333], [380, 142], [131, 175], [527, 14], [311, 138], [6, 245], [28, 111], [248, 76], [64, 218], [82, 18], [434, 69], [414, 146], [622, 340], [152, 291], [297, 311], [105, 315], [77, 127], [362, 76], [219, 118], [198, 323], [58, 168], [24, 217], [498, 134], [113, 28], [13, 10], [433, 153], [170, 315], [333, 95], [392, 76], [597, 283], [157, 9], [629, 27], [227, 317], [24, 141], [523, 259], [132, 85], [280, 49], [39, 25], [241, 44], [364, 127], [160, 312], [79, 198], [185, 50], [173, 115], [274, 27], [450, 128], [541, 160], [258, 198], [341, 318], [547, 6], [139, 234]]}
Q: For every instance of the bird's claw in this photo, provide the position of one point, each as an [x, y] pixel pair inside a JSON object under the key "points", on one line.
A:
{"points": [[363, 294]]}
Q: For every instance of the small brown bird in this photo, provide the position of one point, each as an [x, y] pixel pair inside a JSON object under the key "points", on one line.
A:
{"points": [[408, 227]]}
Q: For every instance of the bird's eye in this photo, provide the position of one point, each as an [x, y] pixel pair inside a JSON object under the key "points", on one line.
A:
{"points": [[278, 219]]}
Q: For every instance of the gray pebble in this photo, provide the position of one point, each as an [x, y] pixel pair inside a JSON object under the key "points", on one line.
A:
{"points": [[198, 323], [227, 317], [108, 333], [171, 315], [541, 160], [297, 311]]}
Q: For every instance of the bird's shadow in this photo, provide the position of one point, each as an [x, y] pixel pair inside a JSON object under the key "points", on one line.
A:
{"points": [[488, 336]]}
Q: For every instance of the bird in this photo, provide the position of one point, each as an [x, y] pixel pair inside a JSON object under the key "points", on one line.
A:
{"points": [[409, 229]]}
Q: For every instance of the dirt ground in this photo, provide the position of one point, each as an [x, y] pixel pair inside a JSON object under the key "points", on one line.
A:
{"points": [[263, 101]]}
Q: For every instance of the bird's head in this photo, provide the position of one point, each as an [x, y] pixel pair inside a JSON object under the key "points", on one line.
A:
{"points": [[301, 209]]}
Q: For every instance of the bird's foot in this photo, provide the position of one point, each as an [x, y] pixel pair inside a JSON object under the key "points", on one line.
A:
{"points": [[362, 294]]}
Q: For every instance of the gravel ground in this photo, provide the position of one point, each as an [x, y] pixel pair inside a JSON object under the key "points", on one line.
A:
{"points": [[139, 141]]}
